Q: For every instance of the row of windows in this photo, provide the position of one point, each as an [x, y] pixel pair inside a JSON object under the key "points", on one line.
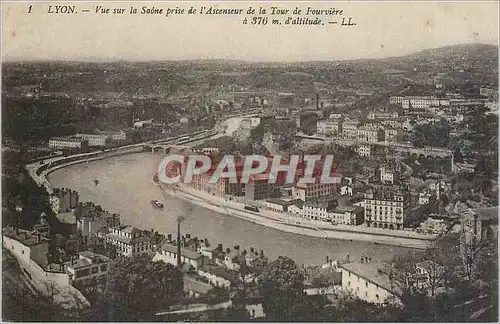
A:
{"points": [[93, 270], [385, 202]]}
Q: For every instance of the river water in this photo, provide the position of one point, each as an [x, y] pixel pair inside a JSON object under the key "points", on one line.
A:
{"points": [[126, 188]]}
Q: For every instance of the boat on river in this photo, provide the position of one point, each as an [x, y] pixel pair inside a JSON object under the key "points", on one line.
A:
{"points": [[156, 204]]}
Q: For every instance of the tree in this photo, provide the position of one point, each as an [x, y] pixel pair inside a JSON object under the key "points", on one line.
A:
{"points": [[282, 290], [137, 288]]}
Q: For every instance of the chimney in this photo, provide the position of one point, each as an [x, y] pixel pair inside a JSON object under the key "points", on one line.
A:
{"points": [[327, 259], [317, 101]]}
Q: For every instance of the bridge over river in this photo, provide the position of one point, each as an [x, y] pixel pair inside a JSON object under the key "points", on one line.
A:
{"points": [[427, 152]]}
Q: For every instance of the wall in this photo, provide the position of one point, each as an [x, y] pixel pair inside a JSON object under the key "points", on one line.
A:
{"points": [[53, 285], [364, 289], [215, 280]]}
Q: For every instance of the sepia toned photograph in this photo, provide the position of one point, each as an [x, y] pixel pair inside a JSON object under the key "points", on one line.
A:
{"points": [[233, 161]]}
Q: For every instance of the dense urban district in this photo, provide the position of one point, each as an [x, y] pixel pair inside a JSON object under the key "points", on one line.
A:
{"points": [[415, 148]]}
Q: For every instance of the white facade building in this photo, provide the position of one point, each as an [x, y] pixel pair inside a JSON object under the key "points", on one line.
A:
{"points": [[129, 240], [94, 140], [368, 282], [66, 142]]}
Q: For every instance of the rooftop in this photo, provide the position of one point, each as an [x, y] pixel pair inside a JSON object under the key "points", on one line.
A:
{"points": [[25, 237], [373, 273], [221, 272], [190, 254], [127, 240], [190, 284], [66, 218], [281, 202], [93, 256]]}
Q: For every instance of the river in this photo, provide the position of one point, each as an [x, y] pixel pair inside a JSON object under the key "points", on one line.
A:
{"points": [[126, 188]]}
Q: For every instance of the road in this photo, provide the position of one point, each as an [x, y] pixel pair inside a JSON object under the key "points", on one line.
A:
{"points": [[197, 308], [296, 224]]}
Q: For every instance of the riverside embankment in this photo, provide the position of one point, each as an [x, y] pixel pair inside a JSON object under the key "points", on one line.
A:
{"points": [[298, 225]]}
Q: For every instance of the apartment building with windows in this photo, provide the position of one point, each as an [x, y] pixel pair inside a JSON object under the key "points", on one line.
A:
{"points": [[387, 208], [349, 130], [370, 282], [168, 254], [128, 240], [363, 150], [63, 200], [94, 140], [68, 142], [89, 265], [388, 175], [308, 191], [259, 188], [370, 134], [330, 127], [348, 215]]}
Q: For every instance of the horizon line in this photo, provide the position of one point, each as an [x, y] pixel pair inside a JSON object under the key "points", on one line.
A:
{"points": [[247, 61]]}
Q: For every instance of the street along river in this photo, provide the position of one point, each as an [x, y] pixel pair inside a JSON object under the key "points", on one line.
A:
{"points": [[125, 187]]}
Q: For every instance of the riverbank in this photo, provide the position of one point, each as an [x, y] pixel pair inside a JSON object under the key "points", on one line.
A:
{"points": [[39, 172], [297, 225], [264, 217]]}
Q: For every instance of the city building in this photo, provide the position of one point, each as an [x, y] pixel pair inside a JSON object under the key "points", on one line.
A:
{"points": [[43, 226], [89, 265], [63, 200], [219, 276], [381, 115], [424, 198], [329, 127], [370, 282], [128, 240], [168, 254], [259, 188], [26, 245], [349, 130], [319, 209], [392, 135], [395, 100], [363, 150], [89, 225], [388, 208], [195, 288], [94, 140], [433, 226], [68, 142], [307, 121], [370, 134], [479, 224], [308, 191], [348, 215], [422, 102], [278, 205], [388, 175], [114, 136]]}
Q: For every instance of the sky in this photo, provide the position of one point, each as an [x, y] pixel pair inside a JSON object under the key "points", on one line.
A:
{"points": [[383, 29]]}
